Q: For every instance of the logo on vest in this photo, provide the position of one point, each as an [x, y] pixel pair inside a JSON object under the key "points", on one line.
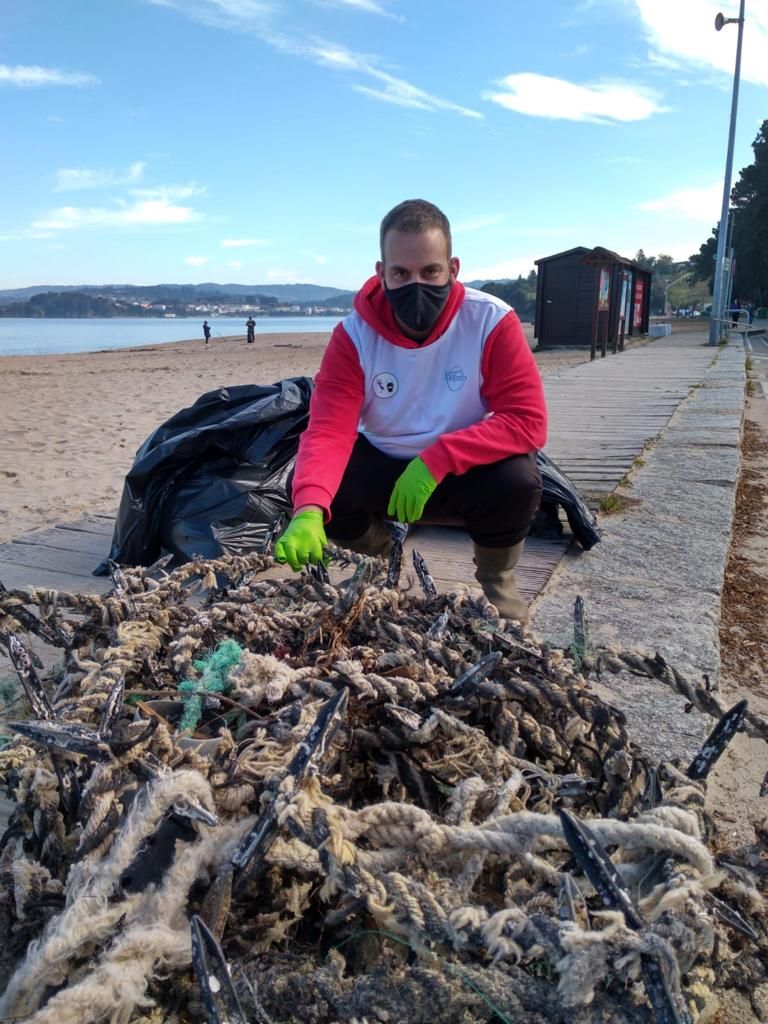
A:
{"points": [[385, 385], [455, 378]]}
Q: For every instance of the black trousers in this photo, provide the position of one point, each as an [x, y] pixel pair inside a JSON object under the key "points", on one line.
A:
{"points": [[496, 503]]}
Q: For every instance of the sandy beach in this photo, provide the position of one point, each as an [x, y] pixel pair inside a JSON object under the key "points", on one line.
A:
{"points": [[71, 424]]}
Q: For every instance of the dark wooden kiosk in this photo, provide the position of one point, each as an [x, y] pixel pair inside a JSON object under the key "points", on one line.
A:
{"points": [[590, 298]]}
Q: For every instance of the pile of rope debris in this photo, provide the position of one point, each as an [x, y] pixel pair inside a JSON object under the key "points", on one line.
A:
{"points": [[282, 800]]}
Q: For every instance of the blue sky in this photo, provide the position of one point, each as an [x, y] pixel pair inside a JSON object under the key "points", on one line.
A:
{"points": [[262, 141]]}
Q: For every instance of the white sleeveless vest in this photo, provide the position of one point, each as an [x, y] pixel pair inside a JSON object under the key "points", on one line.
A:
{"points": [[415, 395]]}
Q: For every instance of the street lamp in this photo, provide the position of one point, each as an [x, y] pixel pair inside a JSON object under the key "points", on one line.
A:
{"points": [[685, 273], [715, 326]]}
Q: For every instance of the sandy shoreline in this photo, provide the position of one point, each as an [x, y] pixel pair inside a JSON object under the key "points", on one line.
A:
{"points": [[71, 424]]}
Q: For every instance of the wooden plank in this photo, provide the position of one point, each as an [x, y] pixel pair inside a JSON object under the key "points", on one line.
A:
{"points": [[88, 525], [597, 472], [628, 420], [21, 576], [575, 399], [38, 556], [448, 554], [65, 540], [612, 465]]}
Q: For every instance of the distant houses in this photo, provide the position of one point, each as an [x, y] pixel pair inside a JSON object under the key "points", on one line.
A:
{"points": [[74, 304]]}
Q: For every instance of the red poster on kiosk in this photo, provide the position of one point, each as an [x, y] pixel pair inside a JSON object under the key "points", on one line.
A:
{"points": [[637, 319]]}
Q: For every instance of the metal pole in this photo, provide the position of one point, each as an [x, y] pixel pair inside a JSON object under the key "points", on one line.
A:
{"points": [[729, 288], [715, 325], [728, 281], [727, 285]]}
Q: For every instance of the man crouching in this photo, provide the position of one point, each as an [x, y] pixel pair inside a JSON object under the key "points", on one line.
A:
{"points": [[428, 405]]}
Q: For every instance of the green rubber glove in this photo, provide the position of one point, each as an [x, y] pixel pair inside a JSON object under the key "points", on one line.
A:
{"points": [[411, 492], [302, 540]]}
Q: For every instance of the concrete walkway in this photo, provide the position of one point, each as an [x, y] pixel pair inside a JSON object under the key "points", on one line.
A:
{"points": [[654, 583]]}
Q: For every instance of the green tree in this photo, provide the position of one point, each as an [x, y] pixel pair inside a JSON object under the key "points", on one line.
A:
{"points": [[749, 204], [519, 293], [71, 304], [665, 270], [749, 199], [703, 262]]}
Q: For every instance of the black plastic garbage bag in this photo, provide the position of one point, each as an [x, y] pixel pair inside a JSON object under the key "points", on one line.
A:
{"points": [[211, 479], [559, 490]]}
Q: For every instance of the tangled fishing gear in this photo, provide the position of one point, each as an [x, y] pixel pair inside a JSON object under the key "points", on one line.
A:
{"points": [[240, 797]]}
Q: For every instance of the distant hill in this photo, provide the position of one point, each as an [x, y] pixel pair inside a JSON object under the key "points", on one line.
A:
{"points": [[302, 293], [283, 292], [342, 300], [286, 293], [71, 304], [183, 299]]}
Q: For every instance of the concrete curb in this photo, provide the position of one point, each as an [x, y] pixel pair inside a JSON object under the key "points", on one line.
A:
{"points": [[654, 582]]}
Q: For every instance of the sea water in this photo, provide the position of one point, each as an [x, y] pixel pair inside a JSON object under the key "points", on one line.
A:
{"points": [[28, 336]]}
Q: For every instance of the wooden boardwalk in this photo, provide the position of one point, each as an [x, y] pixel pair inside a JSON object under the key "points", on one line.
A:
{"points": [[601, 414]]}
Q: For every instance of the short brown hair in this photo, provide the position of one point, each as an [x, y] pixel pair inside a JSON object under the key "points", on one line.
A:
{"points": [[414, 216]]}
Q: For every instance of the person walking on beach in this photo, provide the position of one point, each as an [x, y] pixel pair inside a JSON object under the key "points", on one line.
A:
{"points": [[206, 331], [428, 404], [250, 325]]}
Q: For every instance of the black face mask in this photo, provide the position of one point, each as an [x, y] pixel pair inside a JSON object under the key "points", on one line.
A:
{"points": [[417, 305]]}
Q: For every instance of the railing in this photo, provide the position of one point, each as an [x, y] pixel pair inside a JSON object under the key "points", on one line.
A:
{"points": [[739, 323]]}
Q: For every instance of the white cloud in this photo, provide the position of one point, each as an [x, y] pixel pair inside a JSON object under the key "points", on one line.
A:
{"points": [[195, 261], [700, 204], [30, 76], [395, 90], [169, 193], [160, 204], [261, 19], [71, 178], [497, 271], [399, 99], [679, 251], [367, 6], [143, 211], [658, 60], [599, 102], [220, 12], [241, 243], [477, 223], [321, 260], [685, 31], [235, 264], [653, 238]]}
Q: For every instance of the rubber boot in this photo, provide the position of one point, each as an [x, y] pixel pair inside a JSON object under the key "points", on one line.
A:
{"points": [[496, 575], [377, 540]]}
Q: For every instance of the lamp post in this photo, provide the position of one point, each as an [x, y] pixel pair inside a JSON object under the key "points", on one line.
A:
{"points": [[677, 280], [715, 326]]}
